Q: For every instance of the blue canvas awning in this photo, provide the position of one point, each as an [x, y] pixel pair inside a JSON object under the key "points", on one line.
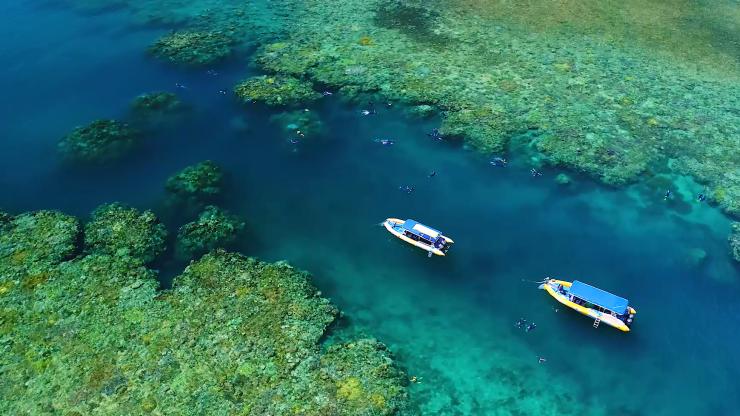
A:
{"points": [[599, 297]]}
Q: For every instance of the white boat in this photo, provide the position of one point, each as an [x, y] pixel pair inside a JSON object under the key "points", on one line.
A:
{"points": [[419, 235]]}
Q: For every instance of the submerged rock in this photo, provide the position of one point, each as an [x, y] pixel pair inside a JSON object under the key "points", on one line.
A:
{"points": [[193, 48], [276, 90], [735, 241], [233, 336], [214, 228], [98, 142], [121, 231], [197, 183]]}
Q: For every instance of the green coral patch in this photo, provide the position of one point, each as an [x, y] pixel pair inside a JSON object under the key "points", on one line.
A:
{"points": [[41, 236], [735, 241], [199, 182], [276, 90], [233, 336], [193, 48], [214, 228], [121, 231], [98, 142]]}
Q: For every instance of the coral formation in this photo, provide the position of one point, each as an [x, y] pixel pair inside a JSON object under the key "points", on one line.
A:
{"points": [[156, 103], [299, 123], [735, 241], [276, 90], [193, 48], [616, 112], [98, 142], [563, 179], [197, 183], [121, 231], [214, 228], [233, 336], [41, 236]]}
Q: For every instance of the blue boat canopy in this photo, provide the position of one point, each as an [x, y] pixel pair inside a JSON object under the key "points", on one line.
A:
{"points": [[599, 297], [421, 230]]}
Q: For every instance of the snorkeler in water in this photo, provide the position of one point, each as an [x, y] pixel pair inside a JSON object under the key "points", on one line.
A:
{"points": [[530, 327], [435, 134], [407, 188], [541, 360], [327, 93], [535, 173], [520, 323], [182, 87], [432, 174], [498, 162], [667, 195], [701, 197]]}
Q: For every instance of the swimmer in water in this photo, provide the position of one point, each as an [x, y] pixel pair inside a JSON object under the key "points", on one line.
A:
{"points": [[541, 360], [498, 162], [327, 93], [520, 323], [530, 327], [432, 174], [667, 195], [178, 85], [535, 173]]}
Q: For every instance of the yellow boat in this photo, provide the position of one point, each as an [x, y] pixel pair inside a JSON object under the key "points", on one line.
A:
{"points": [[593, 302], [419, 235]]}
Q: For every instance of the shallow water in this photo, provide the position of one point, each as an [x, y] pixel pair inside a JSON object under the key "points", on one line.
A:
{"points": [[318, 205]]}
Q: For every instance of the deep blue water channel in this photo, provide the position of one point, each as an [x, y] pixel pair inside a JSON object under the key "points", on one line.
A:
{"points": [[449, 320]]}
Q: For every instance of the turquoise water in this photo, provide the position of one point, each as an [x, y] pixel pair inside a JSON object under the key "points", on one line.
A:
{"points": [[318, 205]]}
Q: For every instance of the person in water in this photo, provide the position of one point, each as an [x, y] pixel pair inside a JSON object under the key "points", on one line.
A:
{"points": [[432, 174], [408, 189], [541, 359], [667, 195], [520, 323], [701, 197], [178, 85], [435, 134], [535, 173], [530, 327], [498, 162]]}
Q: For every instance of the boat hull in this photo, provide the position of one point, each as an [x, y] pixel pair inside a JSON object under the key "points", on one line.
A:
{"points": [[391, 222], [551, 287]]}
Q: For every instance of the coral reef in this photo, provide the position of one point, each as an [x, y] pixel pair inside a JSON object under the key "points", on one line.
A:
{"points": [[193, 48], [233, 336], [563, 179], [121, 231], [617, 111], [98, 142], [197, 183], [735, 241], [276, 90], [299, 124], [41, 236], [214, 228], [156, 103]]}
